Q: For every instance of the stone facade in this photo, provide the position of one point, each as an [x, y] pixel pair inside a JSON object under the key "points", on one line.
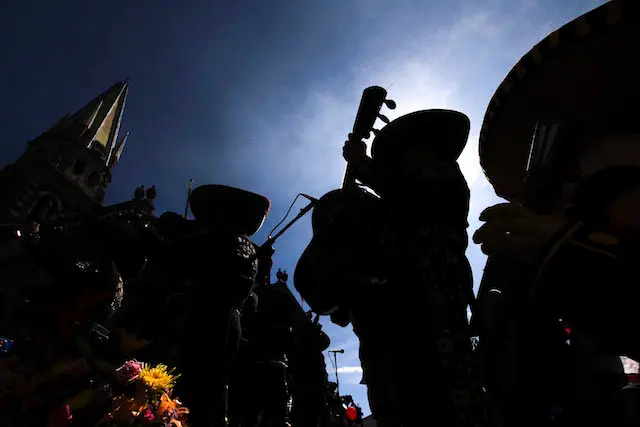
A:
{"points": [[66, 170]]}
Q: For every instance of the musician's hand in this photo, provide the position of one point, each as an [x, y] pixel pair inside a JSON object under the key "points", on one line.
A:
{"points": [[512, 229], [354, 151]]}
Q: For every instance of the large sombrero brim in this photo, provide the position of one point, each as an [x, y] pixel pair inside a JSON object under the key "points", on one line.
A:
{"points": [[585, 71], [242, 211], [446, 130]]}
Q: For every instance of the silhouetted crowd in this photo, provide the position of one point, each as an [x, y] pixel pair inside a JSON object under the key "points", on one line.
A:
{"points": [[190, 294]]}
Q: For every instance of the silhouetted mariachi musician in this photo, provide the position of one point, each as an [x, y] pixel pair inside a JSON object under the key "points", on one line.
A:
{"points": [[560, 142], [398, 265], [217, 255]]}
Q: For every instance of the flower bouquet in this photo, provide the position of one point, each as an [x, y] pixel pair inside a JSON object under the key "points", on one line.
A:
{"points": [[145, 398]]}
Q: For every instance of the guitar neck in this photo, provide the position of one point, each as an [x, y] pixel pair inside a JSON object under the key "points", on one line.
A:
{"points": [[348, 177], [373, 98], [349, 180]]}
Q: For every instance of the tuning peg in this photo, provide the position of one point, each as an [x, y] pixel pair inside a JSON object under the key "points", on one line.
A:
{"points": [[375, 131], [384, 118], [391, 104]]}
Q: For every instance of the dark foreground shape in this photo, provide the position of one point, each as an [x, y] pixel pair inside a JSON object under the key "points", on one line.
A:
{"points": [[243, 210]]}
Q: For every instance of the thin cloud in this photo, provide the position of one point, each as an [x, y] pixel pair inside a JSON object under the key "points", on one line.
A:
{"points": [[350, 370], [424, 69]]}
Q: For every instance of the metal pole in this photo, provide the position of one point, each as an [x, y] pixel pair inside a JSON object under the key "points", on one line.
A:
{"points": [[335, 360], [335, 367], [186, 208]]}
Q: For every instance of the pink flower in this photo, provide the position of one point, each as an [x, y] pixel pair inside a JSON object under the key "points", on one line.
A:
{"points": [[129, 371], [148, 416]]}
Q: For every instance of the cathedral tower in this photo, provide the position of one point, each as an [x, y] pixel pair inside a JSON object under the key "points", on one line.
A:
{"points": [[65, 170]]}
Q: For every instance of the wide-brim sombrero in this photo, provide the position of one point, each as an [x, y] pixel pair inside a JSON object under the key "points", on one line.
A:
{"points": [[446, 130], [584, 72], [242, 211]]}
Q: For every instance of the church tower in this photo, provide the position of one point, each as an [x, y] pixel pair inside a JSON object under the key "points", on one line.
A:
{"points": [[66, 170]]}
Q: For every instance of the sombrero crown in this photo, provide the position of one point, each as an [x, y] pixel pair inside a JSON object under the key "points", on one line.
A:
{"points": [[241, 211], [585, 71], [446, 130]]}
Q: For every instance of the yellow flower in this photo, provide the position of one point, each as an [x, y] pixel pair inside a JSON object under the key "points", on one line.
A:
{"points": [[158, 378]]}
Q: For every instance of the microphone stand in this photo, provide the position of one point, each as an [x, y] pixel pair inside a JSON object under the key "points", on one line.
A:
{"points": [[302, 213], [335, 368], [266, 249]]}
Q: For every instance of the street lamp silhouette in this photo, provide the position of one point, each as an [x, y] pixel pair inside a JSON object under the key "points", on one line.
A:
{"points": [[335, 367]]}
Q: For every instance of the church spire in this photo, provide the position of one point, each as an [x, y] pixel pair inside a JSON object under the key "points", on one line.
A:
{"points": [[117, 150], [96, 125], [88, 116], [106, 126]]}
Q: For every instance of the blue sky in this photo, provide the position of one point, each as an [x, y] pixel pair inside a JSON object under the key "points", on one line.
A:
{"points": [[261, 94]]}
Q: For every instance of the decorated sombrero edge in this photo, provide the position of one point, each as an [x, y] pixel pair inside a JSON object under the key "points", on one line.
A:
{"points": [[605, 17]]}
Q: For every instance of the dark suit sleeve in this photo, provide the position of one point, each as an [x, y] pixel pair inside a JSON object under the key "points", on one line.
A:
{"points": [[589, 277]]}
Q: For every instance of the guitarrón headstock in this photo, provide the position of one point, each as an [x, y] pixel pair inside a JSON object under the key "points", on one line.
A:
{"points": [[373, 98]]}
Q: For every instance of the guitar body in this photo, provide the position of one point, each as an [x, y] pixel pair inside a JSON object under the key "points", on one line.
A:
{"points": [[341, 207], [346, 233]]}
